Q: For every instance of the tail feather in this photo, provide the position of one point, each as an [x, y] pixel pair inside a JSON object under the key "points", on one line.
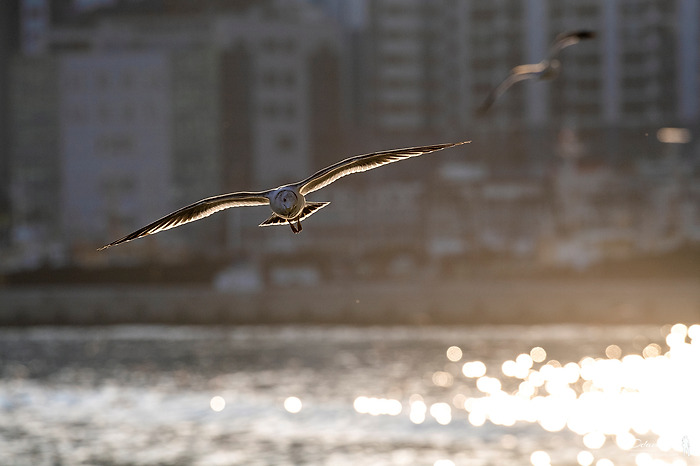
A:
{"points": [[273, 220], [309, 209]]}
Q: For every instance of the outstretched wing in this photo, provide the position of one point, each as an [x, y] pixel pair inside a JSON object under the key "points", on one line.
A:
{"points": [[361, 163], [192, 212], [519, 73], [566, 39]]}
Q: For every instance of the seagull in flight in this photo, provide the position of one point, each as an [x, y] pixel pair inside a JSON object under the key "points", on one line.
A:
{"points": [[544, 70], [288, 202]]}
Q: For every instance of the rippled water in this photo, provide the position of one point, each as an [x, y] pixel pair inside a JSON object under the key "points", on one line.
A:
{"points": [[328, 395]]}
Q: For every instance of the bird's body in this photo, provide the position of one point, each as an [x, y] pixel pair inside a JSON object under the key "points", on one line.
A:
{"points": [[288, 203], [545, 70], [288, 206]]}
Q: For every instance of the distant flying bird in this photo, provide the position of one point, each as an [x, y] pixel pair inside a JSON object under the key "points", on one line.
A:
{"points": [[287, 202], [546, 69]]}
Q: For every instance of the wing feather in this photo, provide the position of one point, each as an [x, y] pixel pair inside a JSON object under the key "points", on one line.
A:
{"points": [[309, 209], [517, 74], [567, 39], [192, 212], [361, 163]]}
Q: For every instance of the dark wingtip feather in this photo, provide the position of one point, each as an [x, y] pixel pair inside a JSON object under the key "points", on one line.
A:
{"points": [[585, 34], [127, 238]]}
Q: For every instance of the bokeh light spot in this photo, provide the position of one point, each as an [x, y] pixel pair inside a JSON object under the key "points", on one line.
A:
{"points": [[508, 368], [675, 339], [489, 385], [625, 440], [585, 458], [441, 412], [444, 463], [292, 404], [679, 329], [652, 350], [540, 458], [694, 332], [477, 418], [613, 352], [474, 369], [217, 403], [377, 406], [454, 353], [524, 360], [594, 440], [418, 410], [538, 354], [442, 379]]}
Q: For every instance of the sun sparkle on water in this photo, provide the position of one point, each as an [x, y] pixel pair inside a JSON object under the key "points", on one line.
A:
{"points": [[442, 412], [292, 404], [474, 369], [217, 403], [540, 458], [418, 409], [609, 402], [585, 458], [444, 462], [454, 353], [377, 406], [538, 354]]}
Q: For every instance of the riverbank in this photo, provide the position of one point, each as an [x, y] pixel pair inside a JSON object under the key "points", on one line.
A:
{"points": [[464, 302]]}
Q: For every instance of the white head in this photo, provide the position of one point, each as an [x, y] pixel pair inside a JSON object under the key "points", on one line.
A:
{"points": [[286, 202]]}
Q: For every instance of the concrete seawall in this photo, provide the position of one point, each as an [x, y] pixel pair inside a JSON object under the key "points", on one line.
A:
{"points": [[507, 301]]}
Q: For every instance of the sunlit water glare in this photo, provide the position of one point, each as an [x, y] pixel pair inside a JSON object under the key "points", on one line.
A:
{"points": [[292, 404], [633, 401], [571, 395], [217, 403]]}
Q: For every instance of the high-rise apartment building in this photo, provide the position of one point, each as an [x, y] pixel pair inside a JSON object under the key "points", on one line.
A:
{"points": [[9, 44], [249, 97], [153, 113], [34, 168], [34, 26], [433, 62], [115, 142]]}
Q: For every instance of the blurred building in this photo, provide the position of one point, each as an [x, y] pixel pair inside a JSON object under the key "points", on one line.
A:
{"points": [[9, 45], [150, 115], [399, 63], [430, 64], [35, 181], [433, 62], [35, 26], [125, 110], [116, 143]]}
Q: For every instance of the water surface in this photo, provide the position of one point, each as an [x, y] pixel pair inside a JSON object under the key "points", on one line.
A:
{"points": [[131, 395]]}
